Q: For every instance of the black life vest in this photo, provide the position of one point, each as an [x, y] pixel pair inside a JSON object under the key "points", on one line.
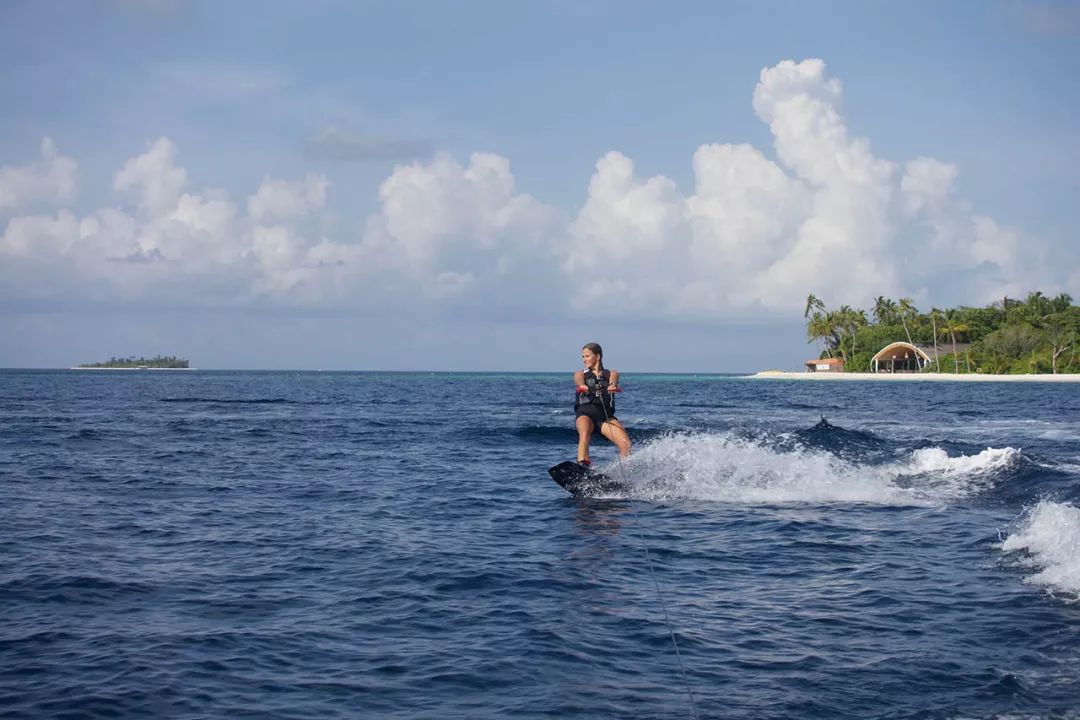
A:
{"points": [[597, 393]]}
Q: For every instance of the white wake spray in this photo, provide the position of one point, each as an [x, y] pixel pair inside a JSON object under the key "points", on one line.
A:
{"points": [[941, 477], [726, 468], [1048, 540]]}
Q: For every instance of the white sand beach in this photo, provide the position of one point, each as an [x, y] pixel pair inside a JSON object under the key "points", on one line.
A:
{"points": [[914, 377]]}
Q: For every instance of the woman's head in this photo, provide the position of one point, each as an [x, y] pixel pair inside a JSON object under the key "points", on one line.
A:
{"points": [[592, 355]]}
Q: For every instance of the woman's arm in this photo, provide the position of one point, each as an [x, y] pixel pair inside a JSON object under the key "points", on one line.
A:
{"points": [[613, 380], [579, 380]]}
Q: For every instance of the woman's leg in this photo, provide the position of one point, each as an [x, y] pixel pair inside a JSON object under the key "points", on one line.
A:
{"points": [[584, 432], [614, 431]]}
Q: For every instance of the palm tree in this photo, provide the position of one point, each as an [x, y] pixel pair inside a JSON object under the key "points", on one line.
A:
{"points": [[829, 327], [855, 320], [934, 312], [907, 309], [884, 310], [952, 326], [1037, 303], [843, 325], [1006, 304], [816, 326]]}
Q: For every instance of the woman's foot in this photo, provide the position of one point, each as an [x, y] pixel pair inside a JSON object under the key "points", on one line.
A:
{"points": [[585, 463]]}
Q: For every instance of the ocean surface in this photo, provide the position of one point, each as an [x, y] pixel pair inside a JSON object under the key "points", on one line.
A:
{"points": [[389, 545]]}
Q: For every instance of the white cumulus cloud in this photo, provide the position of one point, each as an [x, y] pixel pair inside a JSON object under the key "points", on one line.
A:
{"points": [[153, 178], [829, 217], [442, 217], [175, 246], [757, 231], [280, 199], [51, 180]]}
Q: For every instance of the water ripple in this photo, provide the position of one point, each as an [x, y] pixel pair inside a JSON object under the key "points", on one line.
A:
{"points": [[358, 545]]}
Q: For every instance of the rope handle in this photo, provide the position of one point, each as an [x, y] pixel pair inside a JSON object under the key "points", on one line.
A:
{"points": [[585, 389]]}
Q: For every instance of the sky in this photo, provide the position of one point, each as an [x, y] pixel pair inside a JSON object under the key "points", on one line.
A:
{"points": [[490, 185]]}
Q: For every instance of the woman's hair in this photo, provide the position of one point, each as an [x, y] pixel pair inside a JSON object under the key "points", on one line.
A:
{"points": [[597, 350]]}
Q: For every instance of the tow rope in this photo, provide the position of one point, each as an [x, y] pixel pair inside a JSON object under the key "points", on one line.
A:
{"points": [[652, 573]]}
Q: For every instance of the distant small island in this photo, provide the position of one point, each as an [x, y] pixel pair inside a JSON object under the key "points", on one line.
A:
{"points": [[158, 362]]}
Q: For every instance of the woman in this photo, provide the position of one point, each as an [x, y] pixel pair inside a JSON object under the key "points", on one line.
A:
{"points": [[594, 406]]}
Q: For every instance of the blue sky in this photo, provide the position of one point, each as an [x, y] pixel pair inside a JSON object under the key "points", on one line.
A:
{"points": [[295, 185]]}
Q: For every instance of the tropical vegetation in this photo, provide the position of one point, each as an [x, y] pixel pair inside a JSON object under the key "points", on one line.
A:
{"points": [[1039, 334], [157, 362]]}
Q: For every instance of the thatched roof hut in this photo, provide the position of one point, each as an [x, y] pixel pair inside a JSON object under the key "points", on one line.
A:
{"points": [[906, 357]]}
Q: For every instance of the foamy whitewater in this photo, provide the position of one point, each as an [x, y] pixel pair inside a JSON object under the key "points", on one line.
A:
{"points": [[729, 468], [390, 545], [1049, 539]]}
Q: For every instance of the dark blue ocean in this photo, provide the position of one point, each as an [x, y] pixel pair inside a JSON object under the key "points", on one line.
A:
{"points": [[382, 545]]}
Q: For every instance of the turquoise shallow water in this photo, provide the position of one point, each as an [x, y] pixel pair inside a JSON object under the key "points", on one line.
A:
{"points": [[281, 544]]}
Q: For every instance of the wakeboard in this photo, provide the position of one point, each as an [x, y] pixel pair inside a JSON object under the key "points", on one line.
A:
{"points": [[581, 481]]}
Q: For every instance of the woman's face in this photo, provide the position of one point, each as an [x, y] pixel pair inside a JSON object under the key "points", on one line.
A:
{"points": [[589, 358]]}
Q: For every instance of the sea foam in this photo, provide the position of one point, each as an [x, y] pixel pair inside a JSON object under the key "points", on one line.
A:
{"points": [[729, 468], [1049, 538], [936, 460], [937, 476]]}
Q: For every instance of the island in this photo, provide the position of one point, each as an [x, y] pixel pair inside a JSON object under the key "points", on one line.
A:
{"points": [[1037, 338], [158, 362]]}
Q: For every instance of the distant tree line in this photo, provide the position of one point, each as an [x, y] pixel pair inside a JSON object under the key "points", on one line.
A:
{"points": [[158, 361], [1039, 334]]}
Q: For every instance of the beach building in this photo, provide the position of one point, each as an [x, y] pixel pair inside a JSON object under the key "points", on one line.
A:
{"points": [[902, 357], [825, 365]]}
